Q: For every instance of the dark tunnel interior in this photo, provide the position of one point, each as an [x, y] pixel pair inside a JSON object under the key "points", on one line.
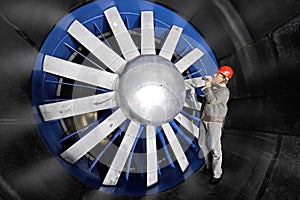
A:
{"points": [[261, 136]]}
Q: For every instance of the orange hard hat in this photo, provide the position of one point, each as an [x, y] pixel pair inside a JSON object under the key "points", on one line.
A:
{"points": [[226, 71]]}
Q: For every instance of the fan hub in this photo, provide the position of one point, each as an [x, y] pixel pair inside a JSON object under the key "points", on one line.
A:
{"points": [[151, 90]]}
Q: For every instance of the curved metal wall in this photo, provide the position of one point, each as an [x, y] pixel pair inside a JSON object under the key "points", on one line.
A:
{"points": [[260, 40]]}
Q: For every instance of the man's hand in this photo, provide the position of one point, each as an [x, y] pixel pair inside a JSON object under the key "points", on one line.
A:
{"points": [[208, 82]]}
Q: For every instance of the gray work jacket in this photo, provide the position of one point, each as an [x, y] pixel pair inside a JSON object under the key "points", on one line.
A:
{"points": [[215, 105]]}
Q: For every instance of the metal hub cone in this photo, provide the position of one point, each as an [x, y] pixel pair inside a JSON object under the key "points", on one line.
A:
{"points": [[151, 90]]}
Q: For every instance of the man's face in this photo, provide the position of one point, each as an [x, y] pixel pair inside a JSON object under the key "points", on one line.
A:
{"points": [[218, 78]]}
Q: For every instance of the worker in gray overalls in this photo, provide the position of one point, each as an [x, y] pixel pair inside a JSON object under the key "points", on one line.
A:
{"points": [[213, 114]]}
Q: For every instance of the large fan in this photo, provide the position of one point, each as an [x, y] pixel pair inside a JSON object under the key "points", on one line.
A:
{"points": [[113, 93]]}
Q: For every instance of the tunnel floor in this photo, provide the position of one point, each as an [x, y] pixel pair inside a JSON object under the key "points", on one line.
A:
{"points": [[252, 170], [253, 163], [256, 166]]}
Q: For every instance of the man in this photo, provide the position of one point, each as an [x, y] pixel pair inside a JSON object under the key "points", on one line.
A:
{"points": [[213, 114]]}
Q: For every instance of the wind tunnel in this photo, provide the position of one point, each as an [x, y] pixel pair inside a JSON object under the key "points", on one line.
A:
{"points": [[42, 153]]}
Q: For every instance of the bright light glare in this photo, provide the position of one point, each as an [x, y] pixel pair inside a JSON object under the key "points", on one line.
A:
{"points": [[150, 96]]}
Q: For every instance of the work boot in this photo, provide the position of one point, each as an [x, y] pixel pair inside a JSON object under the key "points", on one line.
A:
{"points": [[206, 171], [214, 180]]}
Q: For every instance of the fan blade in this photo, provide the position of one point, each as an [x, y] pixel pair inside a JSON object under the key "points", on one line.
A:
{"points": [[186, 123], [189, 59], [79, 72], [78, 106], [89, 141], [194, 83], [171, 42], [173, 141], [147, 34], [195, 105], [152, 176], [121, 34], [111, 59], [123, 152]]}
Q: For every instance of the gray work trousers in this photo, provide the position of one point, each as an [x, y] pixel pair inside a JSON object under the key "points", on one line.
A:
{"points": [[212, 131]]}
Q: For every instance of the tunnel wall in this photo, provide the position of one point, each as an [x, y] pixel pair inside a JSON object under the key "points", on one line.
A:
{"points": [[260, 40], [267, 97], [27, 170]]}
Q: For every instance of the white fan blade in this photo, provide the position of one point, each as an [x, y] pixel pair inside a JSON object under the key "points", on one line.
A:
{"points": [[79, 72], [186, 123], [78, 106], [175, 145], [111, 59], [171, 42], [189, 59], [123, 152], [147, 34], [121, 34], [89, 141], [152, 176]]}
